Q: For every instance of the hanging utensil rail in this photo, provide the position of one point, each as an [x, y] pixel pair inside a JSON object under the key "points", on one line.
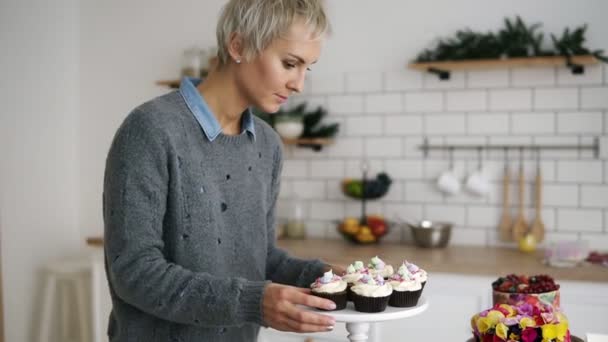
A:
{"points": [[595, 147]]}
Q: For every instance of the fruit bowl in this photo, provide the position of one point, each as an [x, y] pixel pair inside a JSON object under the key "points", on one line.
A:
{"points": [[367, 189], [370, 232]]}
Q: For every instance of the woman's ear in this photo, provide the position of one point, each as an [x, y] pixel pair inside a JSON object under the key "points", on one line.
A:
{"points": [[235, 47]]}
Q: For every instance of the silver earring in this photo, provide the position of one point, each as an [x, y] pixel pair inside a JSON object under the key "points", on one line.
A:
{"points": [[238, 61]]}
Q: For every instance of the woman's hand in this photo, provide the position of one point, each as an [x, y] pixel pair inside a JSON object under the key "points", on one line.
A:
{"points": [[336, 269], [282, 313]]}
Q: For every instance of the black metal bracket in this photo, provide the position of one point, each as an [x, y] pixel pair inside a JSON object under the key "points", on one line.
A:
{"points": [[576, 69], [443, 74]]}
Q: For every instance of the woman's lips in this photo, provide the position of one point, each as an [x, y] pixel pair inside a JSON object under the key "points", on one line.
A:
{"points": [[282, 99]]}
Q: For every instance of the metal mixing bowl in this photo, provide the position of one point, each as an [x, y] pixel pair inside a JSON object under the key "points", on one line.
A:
{"points": [[429, 234]]}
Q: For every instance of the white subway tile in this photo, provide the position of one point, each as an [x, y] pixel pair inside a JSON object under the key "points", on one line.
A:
{"points": [[466, 140], [556, 236], [383, 147], [580, 171], [317, 229], [596, 242], [556, 98], [604, 149], [454, 214], [395, 191], [434, 168], [364, 125], [384, 103], [403, 124], [579, 220], [483, 216], [592, 75], [467, 197], [346, 147], [312, 102], [594, 98], [297, 152], [507, 141], [354, 168], [422, 192], [363, 82], [466, 101], [424, 102], [398, 80], [309, 189], [321, 84], [285, 190], [286, 208], [580, 123], [411, 146], [445, 124], [403, 211], [345, 104], [326, 169], [588, 141], [404, 169], [533, 76], [327, 210], [594, 196], [511, 99], [469, 237], [533, 123], [558, 154], [295, 168], [353, 208], [488, 123], [548, 218], [488, 78], [334, 190], [432, 81], [560, 195]]}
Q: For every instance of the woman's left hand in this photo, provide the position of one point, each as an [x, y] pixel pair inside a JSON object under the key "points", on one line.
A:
{"points": [[336, 269]]}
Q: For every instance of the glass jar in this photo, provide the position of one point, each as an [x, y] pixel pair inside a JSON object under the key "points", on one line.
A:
{"points": [[296, 227]]}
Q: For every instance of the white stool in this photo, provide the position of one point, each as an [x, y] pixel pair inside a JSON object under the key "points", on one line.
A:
{"points": [[66, 275]]}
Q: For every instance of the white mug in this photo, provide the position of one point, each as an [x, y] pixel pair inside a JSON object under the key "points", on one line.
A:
{"points": [[478, 184], [448, 182]]}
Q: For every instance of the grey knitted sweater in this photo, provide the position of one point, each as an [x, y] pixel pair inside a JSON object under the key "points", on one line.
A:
{"points": [[189, 228]]}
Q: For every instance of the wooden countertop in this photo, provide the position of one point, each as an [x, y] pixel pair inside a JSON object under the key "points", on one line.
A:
{"points": [[463, 260]]}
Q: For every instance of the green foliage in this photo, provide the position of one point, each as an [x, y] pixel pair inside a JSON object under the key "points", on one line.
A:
{"points": [[313, 128]]}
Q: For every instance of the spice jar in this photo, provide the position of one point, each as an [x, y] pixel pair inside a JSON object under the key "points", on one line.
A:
{"points": [[296, 228]]}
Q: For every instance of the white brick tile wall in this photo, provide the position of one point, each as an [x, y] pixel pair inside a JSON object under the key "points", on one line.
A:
{"points": [[597, 242], [424, 102], [509, 141], [433, 168], [326, 210], [399, 80], [483, 216], [522, 77], [316, 229], [364, 125], [470, 237], [411, 146], [466, 101], [560, 195], [402, 211], [556, 98], [588, 141], [295, 168], [547, 215], [580, 171], [309, 189], [511, 99], [445, 123], [324, 169], [322, 84], [594, 98], [403, 124], [592, 75], [466, 140], [579, 220], [454, 214], [354, 168], [346, 147], [533, 123], [384, 103], [488, 123], [404, 169], [353, 208], [395, 192], [432, 81], [334, 190], [488, 78], [561, 154], [421, 192], [345, 104], [363, 82], [594, 196], [383, 147], [580, 123], [604, 148], [286, 189]]}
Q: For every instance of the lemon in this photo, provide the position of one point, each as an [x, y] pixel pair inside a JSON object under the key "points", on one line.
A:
{"points": [[527, 243]]}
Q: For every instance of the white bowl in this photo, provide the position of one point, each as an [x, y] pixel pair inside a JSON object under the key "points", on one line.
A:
{"points": [[289, 129]]}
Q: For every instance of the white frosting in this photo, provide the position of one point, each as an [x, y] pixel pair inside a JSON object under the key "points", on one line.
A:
{"points": [[332, 287], [351, 277], [415, 272], [372, 290], [386, 272], [407, 285]]}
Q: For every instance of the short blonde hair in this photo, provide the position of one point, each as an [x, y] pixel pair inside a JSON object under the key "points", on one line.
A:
{"points": [[260, 22]]}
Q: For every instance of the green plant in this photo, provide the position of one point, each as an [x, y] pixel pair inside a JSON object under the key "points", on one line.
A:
{"points": [[571, 44]]}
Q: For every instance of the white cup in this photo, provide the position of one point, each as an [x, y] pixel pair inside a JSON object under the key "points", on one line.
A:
{"points": [[478, 184], [448, 183]]}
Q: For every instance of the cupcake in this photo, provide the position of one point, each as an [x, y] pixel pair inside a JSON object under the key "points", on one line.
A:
{"points": [[378, 267], [417, 272], [353, 273], [332, 287], [406, 289], [371, 294]]}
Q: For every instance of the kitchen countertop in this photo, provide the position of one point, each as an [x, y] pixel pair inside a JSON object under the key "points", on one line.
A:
{"points": [[462, 260]]}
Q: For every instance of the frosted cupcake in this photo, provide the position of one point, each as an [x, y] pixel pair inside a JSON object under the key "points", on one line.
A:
{"points": [[406, 289], [417, 272], [353, 273], [378, 267], [332, 287], [371, 294]]}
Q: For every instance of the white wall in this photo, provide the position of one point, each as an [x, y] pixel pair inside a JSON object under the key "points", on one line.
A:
{"points": [[39, 116]]}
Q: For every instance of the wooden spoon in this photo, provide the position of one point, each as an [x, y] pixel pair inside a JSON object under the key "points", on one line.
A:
{"points": [[506, 223], [538, 227], [520, 228]]}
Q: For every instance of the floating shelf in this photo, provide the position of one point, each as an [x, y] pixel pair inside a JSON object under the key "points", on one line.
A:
{"points": [[315, 143], [174, 84], [443, 68]]}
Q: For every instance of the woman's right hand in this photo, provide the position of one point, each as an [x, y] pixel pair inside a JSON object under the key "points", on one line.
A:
{"points": [[282, 313]]}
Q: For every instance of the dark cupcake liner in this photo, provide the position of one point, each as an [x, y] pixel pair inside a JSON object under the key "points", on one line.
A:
{"points": [[349, 292], [339, 298], [423, 283], [404, 299], [370, 304]]}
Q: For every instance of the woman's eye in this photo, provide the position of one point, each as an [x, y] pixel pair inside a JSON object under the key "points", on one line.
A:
{"points": [[289, 65]]}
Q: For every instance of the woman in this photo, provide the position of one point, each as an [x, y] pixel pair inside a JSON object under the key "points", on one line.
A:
{"points": [[190, 188]]}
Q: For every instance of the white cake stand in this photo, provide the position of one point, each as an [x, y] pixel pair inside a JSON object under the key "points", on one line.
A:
{"points": [[358, 323]]}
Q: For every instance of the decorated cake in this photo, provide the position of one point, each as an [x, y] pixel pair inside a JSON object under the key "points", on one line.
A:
{"points": [[524, 322], [518, 289], [332, 287]]}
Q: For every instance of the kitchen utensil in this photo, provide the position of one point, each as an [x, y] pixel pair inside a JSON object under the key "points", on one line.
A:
{"points": [[520, 228], [506, 223], [538, 227], [477, 183], [448, 181], [429, 234]]}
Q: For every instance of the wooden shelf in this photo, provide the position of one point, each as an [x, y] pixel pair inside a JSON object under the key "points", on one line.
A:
{"points": [[169, 83], [443, 68], [308, 141]]}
